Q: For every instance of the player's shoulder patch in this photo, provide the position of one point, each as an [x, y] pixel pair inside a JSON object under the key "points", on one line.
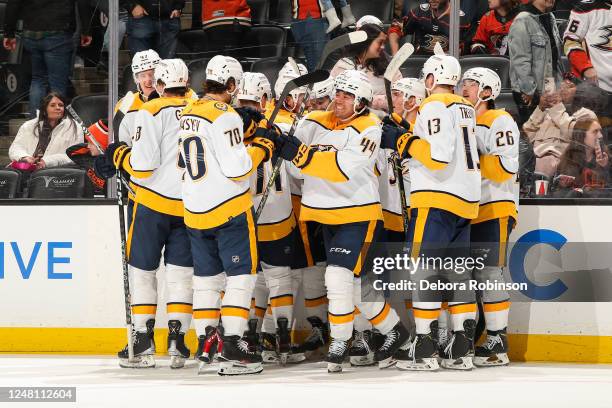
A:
{"points": [[424, 6], [489, 117], [322, 118]]}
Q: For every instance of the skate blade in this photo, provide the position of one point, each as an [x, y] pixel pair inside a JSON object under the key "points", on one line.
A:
{"points": [[269, 357], [500, 359], [177, 362], [425, 364], [461, 363], [362, 361], [235, 368], [334, 368], [146, 361], [386, 363]]}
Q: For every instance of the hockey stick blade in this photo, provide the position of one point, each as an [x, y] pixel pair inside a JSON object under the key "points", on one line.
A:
{"points": [[341, 42], [398, 60], [304, 80]]}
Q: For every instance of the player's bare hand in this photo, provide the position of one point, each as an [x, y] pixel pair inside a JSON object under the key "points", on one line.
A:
{"points": [[10, 44], [590, 75], [138, 11]]}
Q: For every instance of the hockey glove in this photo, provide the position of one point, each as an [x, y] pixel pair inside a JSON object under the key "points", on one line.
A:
{"points": [[404, 143], [390, 136], [250, 119], [103, 168], [396, 120], [267, 140], [115, 153], [293, 150]]}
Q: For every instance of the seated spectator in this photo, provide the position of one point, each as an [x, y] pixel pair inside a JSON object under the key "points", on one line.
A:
{"points": [[550, 126], [153, 24], [232, 13], [535, 47], [430, 24], [369, 56], [584, 167], [42, 142], [492, 34]]}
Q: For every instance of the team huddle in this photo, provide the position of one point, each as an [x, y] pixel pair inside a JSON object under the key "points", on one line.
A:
{"points": [[325, 187]]}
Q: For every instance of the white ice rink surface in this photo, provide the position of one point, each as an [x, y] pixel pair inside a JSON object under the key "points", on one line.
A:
{"points": [[101, 383]]}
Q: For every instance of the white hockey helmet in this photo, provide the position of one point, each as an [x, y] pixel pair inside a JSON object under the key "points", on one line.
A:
{"points": [[323, 88], [144, 61], [444, 68], [172, 72], [356, 83], [486, 78], [253, 86], [281, 82], [288, 67], [221, 68], [368, 19], [411, 87]]}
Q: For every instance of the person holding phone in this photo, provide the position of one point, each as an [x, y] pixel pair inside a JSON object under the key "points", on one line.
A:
{"points": [[585, 165]]}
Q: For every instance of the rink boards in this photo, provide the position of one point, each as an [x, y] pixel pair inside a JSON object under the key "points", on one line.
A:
{"points": [[61, 284]]}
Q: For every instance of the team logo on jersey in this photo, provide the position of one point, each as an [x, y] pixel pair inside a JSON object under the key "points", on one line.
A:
{"points": [[606, 44], [221, 106], [324, 148]]}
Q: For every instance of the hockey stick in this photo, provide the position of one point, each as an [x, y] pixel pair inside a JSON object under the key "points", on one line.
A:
{"points": [[126, 282], [392, 69], [331, 46]]}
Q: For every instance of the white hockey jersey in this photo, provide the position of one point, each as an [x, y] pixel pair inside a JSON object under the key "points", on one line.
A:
{"points": [[497, 136], [591, 22], [444, 170], [388, 188], [218, 164], [340, 184], [277, 220], [152, 161]]}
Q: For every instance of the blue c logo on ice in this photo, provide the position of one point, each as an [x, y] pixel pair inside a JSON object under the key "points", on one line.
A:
{"points": [[517, 263]]}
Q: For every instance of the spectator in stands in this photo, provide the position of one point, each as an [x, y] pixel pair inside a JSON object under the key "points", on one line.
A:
{"points": [[492, 34], [330, 14], [43, 141], [535, 49], [48, 29], [430, 24], [550, 126], [309, 30], [527, 163], [370, 57], [234, 16], [153, 24], [584, 167], [123, 19]]}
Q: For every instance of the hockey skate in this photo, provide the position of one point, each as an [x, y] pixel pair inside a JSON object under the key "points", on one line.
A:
{"points": [[421, 354], [283, 340], [394, 339], [494, 352], [268, 348], [456, 355], [208, 346], [361, 352], [177, 350], [252, 337], [237, 359], [144, 349], [338, 350], [318, 337]]}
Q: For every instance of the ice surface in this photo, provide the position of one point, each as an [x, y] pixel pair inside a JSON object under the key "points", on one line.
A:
{"points": [[101, 383]]}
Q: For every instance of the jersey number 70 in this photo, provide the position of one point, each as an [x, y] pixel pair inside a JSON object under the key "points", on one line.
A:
{"points": [[194, 157]]}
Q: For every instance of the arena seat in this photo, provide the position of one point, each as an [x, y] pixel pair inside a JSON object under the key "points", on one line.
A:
{"points": [[382, 9], [505, 100], [501, 65], [260, 11], [265, 41], [127, 81], [191, 45], [412, 68], [58, 183], [281, 11], [10, 181], [91, 108], [269, 67], [197, 74]]}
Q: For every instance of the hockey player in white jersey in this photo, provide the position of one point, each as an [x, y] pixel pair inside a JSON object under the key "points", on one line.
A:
{"points": [[588, 41], [497, 136], [321, 95], [157, 225], [219, 212], [335, 151], [444, 196]]}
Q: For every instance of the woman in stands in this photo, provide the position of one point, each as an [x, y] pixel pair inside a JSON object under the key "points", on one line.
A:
{"points": [[369, 57], [585, 166], [492, 34], [42, 142]]}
